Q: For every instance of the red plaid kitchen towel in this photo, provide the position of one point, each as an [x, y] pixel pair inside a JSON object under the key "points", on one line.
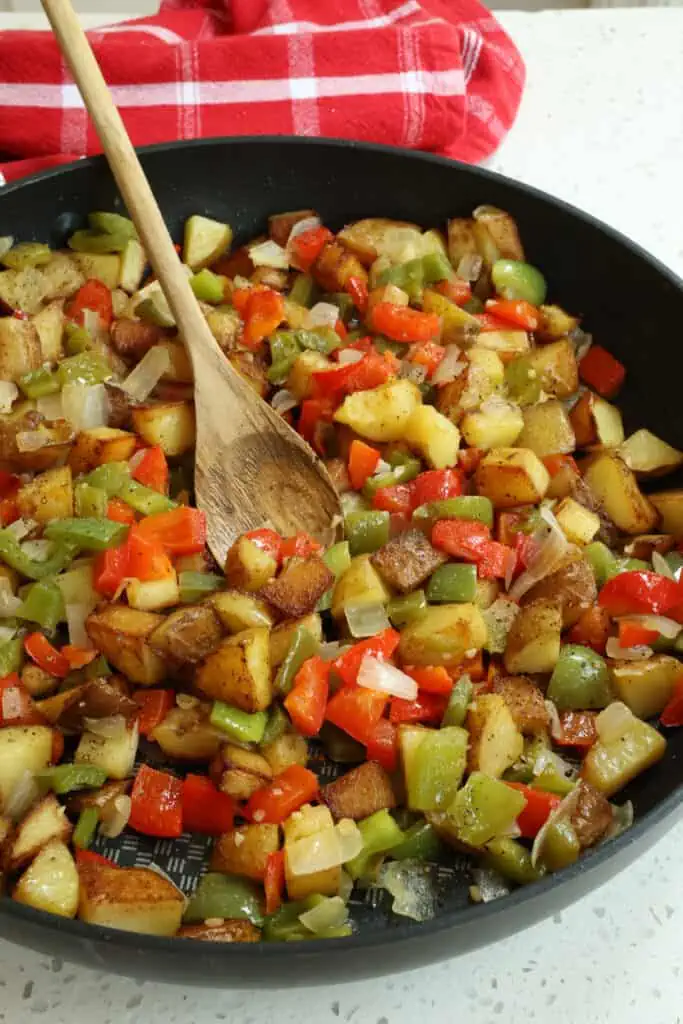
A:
{"points": [[437, 75]]}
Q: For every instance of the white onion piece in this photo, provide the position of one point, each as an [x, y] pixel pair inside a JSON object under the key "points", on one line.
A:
{"points": [[23, 796], [660, 565], [330, 913], [657, 623], [283, 401], [135, 459], [38, 550], [622, 819], [9, 602], [412, 371], [319, 852], [112, 727], [552, 550], [323, 314], [554, 716], [582, 342], [564, 810], [186, 701], [450, 367], [7, 633], [85, 405], [332, 650], [141, 381], [350, 839], [307, 224], [345, 885], [412, 883], [6, 243], [32, 440], [613, 649], [8, 392], [366, 619], [349, 355], [613, 721], [51, 407], [469, 267], [76, 614], [374, 674], [114, 816], [490, 884], [11, 702], [269, 254], [382, 467], [92, 322], [21, 528]]}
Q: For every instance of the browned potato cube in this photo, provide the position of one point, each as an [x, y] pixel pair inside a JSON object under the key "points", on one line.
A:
{"points": [[122, 635], [245, 850], [556, 367], [669, 505], [555, 323], [20, 350], [335, 265], [288, 749], [407, 560], [495, 740], [596, 422], [186, 734], [98, 445], [280, 224], [170, 425], [360, 792], [187, 635], [616, 488], [238, 671], [50, 882], [248, 567], [571, 587], [281, 637], [131, 899], [547, 430], [525, 701], [647, 455], [226, 931], [37, 681], [378, 236], [533, 643], [511, 477], [241, 772], [237, 611], [48, 496], [45, 822], [592, 815], [299, 587]]}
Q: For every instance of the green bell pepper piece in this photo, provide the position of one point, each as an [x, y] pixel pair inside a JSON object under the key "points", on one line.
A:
{"points": [[452, 583], [27, 254], [77, 339], [226, 896], [65, 778], [90, 502], [209, 287], [512, 861], [304, 645], [39, 383], [11, 656], [85, 368], [11, 553], [402, 473], [514, 279], [472, 507], [112, 477], [380, 834], [87, 240], [523, 382], [85, 829], [43, 605], [112, 224], [196, 585], [339, 746], [675, 562], [87, 534], [560, 846], [484, 809], [303, 290], [238, 724], [145, 500], [277, 724], [552, 781], [284, 925], [408, 608], [580, 680], [459, 700], [435, 768], [320, 339], [605, 564], [419, 843], [366, 531], [414, 275], [337, 559], [284, 352]]}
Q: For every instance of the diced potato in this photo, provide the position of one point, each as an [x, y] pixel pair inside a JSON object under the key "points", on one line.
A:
{"points": [[386, 293], [299, 586], [461, 239], [578, 523], [383, 413], [122, 635], [232, 930], [669, 506], [407, 560], [20, 350], [95, 698], [615, 486], [433, 436], [48, 496], [495, 740], [458, 327], [555, 323], [609, 766], [443, 635], [534, 640], [360, 584], [571, 587], [507, 344], [132, 339], [51, 882], [595, 421], [287, 749], [280, 224], [61, 276], [154, 595], [22, 748], [482, 378], [248, 567], [525, 701], [180, 370], [45, 822], [502, 229], [300, 378], [106, 267], [646, 686], [131, 899], [241, 772], [49, 323], [102, 798], [37, 681], [398, 240], [245, 850], [113, 754], [170, 425], [512, 476], [309, 821], [647, 455], [335, 265], [205, 240], [238, 671], [547, 430], [487, 593], [187, 635], [98, 445], [238, 611], [556, 367], [360, 793], [132, 266], [497, 424], [187, 735], [281, 637]]}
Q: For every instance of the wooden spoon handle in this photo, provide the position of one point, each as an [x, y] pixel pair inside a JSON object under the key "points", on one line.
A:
{"points": [[129, 176]]}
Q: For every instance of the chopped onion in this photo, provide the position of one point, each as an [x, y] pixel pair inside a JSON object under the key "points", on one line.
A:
{"points": [[135, 459], [613, 721], [24, 794], [86, 405], [141, 381], [323, 314], [345, 356], [657, 623], [307, 224], [33, 440], [8, 392], [490, 884], [496, 407], [329, 913], [412, 883], [186, 701], [21, 528], [564, 810], [112, 727], [6, 243], [555, 725], [76, 614], [622, 819], [38, 550], [345, 885], [350, 839], [51, 407], [283, 400], [469, 267], [269, 254], [9, 602], [382, 467], [552, 550], [581, 342], [319, 852], [7, 633], [450, 367], [660, 565], [332, 650], [613, 649], [114, 816], [412, 371], [366, 619], [374, 674]]}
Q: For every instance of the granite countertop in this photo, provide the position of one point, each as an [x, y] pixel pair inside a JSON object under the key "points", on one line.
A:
{"points": [[600, 126]]}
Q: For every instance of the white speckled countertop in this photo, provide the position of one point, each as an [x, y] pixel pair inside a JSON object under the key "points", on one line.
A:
{"points": [[601, 127]]}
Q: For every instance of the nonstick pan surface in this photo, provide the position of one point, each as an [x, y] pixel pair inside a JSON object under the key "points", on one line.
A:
{"points": [[632, 304]]}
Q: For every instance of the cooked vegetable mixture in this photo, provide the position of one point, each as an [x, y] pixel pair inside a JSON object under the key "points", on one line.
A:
{"points": [[491, 652]]}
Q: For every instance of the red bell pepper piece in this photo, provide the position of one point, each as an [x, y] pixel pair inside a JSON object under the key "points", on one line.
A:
{"points": [[358, 290], [539, 806], [16, 704], [672, 714], [152, 469], [92, 295], [429, 709], [632, 634], [368, 373], [9, 511], [382, 745], [156, 804], [398, 498], [47, 657], [456, 290], [307, 246], [290, 790], [430, 678], [119, 512], [592, 629], [306, 701], [262, 310], [461, 538], [363, 459], [205, 808], [85, 857], [555, 463], [517, 312], [302, 545], [495, 561], [181, 531], [9, 484], [428, 354], [488, 322], [340, 329], [154, 706], [601, 371], [401, 323], [363, 345], [146, 558], [381, 646], [57, 752], [110, 569], [578, 729], [267, 540], [639, 593], [357, 711], [437, 484], [78, 657], [274, 880], [312, 412]]}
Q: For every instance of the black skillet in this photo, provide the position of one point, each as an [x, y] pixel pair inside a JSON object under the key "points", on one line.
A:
{"points": [[631, 303]]}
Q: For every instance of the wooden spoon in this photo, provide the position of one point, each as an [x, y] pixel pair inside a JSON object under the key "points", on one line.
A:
{"points": [[251, 468]]}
